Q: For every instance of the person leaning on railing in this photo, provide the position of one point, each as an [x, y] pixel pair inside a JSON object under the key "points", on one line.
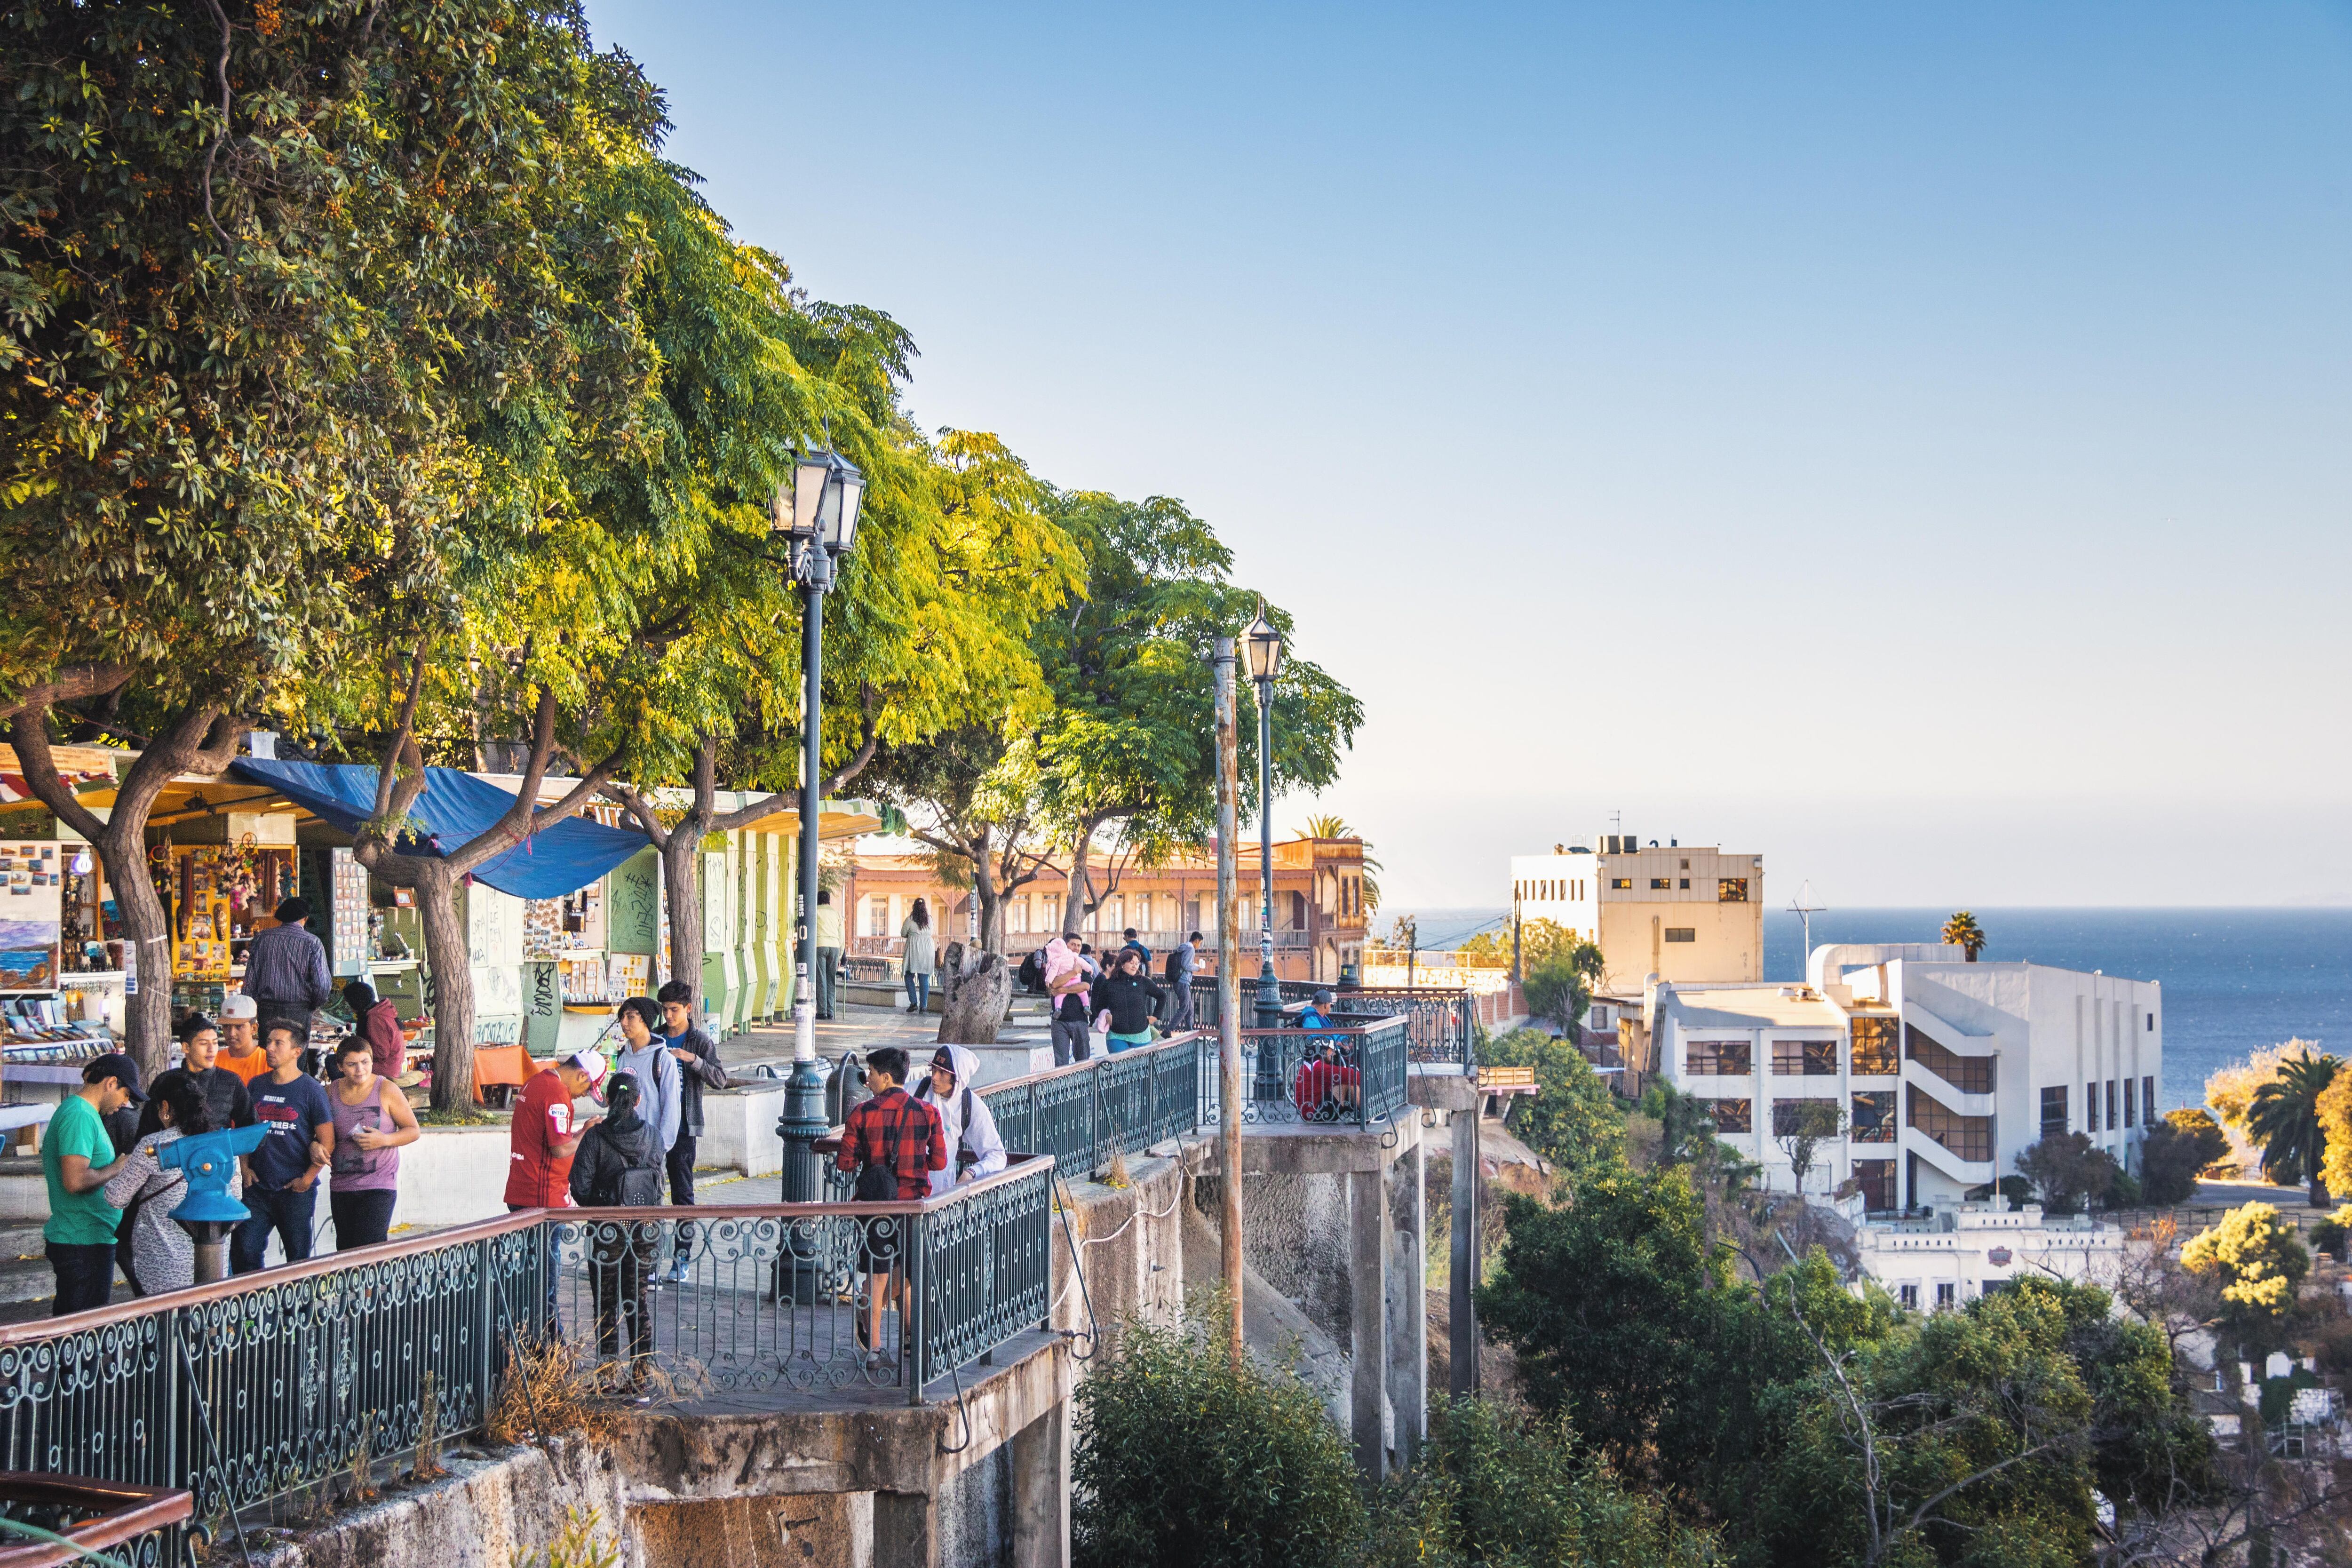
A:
{"points": [[1326, 1084], [965, 1122], [893, 1142], [1128, 996]]}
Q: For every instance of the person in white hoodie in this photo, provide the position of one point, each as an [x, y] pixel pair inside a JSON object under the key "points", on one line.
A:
{"points": [[974, 1147]]}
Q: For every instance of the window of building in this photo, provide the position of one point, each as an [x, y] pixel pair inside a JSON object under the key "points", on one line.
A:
{"points": [[2147, 1102], [1298, 911], [2053, 1110], [1719, 1058], [1946, 1296], [1909, 1295], [1873, 1120], [1875, 1178], [1018, 915], [1625, 883], [2130, 1107], [1970, 1075], [1731, 890], [1873, 1048], [2090, 1107], [1804, 1058], [1681, 934], [1662, 884], [1685, 884], [1733, 1115], [1786, 1115], [1686, 867], [2111, 1105], [1969, 1137], [2151, 1023]]}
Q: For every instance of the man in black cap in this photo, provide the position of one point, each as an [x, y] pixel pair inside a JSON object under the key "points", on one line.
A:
{"points": [[285, 969], [76, 1159]]}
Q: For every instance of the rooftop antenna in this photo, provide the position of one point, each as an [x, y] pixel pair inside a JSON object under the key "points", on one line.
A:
{"points": [[1803, 906]]}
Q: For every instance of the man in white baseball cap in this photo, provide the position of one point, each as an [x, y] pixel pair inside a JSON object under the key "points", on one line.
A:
{"points": [[241, 1052]]}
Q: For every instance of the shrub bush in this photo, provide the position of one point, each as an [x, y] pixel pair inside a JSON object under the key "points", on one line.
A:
{"points": [[1185, 1461]]}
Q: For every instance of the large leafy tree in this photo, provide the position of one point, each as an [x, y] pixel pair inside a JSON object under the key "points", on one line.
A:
{"points": [[1129, 748], [277, 285]]}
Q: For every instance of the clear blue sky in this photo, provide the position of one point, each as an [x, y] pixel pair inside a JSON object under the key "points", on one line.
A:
{"points": [[1910, 441]]}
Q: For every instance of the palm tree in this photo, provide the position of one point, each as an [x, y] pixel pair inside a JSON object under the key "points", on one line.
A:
{"points": [[2284, 1119], [1963, 932], [1327, 824]]}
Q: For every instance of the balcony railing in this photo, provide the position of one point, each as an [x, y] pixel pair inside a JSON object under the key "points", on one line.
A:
{"points": [[255, 1392], [1083, 1113], [1287, 1079], [1440, 1023]]}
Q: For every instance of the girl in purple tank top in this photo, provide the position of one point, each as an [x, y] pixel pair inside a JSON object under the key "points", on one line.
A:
{"points": [[373, 1121]]}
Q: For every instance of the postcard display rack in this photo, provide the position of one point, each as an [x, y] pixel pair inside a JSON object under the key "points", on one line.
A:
{"points": [[41, 1024]]}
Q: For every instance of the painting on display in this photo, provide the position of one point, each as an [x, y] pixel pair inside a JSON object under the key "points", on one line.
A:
{"points": [[29, 913]]}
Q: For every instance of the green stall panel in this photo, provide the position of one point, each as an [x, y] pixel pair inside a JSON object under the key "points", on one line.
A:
{"points": [[719, 988]]}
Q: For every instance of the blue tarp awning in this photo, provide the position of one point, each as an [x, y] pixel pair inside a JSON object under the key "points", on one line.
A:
{"points": [[454, 808]]}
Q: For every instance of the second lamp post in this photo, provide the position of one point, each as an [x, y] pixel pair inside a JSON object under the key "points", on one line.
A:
{"points": [[1264, 643], [818, 515]]}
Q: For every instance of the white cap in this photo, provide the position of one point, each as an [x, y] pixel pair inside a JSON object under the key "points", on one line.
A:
{"points": [[591, 1064], [240, 1007]]}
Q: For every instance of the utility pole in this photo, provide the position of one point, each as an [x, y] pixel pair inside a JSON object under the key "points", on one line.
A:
{"points": [[1229, 991]]}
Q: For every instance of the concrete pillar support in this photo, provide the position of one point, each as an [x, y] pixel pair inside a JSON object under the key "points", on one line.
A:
{"points": [[1041, 1491], [1368, 1243], [1408, 1306], [1461, 1303], [906, 1531]]}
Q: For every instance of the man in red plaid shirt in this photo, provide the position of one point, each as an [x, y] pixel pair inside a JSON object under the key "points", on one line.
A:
{"points": [[897, 1138]]}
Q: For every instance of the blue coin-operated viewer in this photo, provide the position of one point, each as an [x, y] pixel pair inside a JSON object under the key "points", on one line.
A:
{"points": [[208, 1211]]}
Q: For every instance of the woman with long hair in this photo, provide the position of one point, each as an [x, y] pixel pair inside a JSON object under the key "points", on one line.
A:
{"points": [[162, 1255], [922, 957]]}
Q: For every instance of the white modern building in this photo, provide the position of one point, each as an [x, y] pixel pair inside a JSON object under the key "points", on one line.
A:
{"points": [[1678, 912], [1956, 1255], [1946, 1070]]}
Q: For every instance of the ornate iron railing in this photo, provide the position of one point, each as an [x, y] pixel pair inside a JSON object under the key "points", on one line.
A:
{"points": [[255, 1391], [803, 1298], [1083, 1113], [128, 1524], [1287, 1078], [1442, 1020]]}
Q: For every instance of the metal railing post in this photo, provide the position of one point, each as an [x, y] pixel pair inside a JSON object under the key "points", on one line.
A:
{"points": [[911, 1336]]}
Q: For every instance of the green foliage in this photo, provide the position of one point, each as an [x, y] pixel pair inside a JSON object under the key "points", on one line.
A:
{"points": [[2277, 1397], [1573, 1120], [2329, 1236], [2260, 1263], [1962, 932], [2284, 1119], [1540, 942], [1185, 1461], [1504, 1489], [1598, 1298], [2069, 1170], [2173, 1153]]}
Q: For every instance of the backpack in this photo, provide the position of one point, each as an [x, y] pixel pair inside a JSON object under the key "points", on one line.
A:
{"points": [[964, 1157], [1173, 971], [635, 1185]]}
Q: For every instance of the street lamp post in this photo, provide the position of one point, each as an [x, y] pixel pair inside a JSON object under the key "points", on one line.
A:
{"points": [[817, 514], [1264, 644]]}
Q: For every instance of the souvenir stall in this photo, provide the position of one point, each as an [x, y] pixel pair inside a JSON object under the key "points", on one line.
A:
{"points": [[61, 980]]}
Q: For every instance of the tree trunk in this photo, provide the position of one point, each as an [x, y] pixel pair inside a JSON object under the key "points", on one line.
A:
{"points": [[978, 989], [1074, 906], [146, 931], [450, 996], [681, 860]]}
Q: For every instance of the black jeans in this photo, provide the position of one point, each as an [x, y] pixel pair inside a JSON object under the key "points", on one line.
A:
{"points": [[1072, 1043], [85, 1275], [361, 1218], [619, 1256], [681, 1189], [828, 980], [289, 1213]]}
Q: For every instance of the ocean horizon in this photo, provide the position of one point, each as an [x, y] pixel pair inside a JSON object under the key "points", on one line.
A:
{"points": [[2235, 980]]}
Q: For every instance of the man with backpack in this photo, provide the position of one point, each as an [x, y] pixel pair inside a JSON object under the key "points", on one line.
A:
{"points": [[1182, 959], [893, 1142]]}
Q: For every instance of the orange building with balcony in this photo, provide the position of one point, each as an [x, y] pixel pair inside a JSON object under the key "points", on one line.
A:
{"points": [[1320, 918]]}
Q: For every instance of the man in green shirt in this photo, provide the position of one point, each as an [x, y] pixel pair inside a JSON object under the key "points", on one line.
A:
{"points": [[76, 1159]]}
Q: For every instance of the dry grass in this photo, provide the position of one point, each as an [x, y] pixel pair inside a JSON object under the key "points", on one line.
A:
{"points": [[561, 1391], [361, 1489], [428, 1466]]}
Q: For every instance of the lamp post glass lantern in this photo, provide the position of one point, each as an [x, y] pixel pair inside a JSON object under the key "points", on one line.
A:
{"points": [[817, 514], [1263, 641]]}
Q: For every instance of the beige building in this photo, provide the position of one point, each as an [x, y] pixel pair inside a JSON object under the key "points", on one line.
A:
{"points": [[1682, 913]]}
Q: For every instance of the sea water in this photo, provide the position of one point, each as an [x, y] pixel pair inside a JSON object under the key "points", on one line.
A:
{"points": [[2235, 981]]}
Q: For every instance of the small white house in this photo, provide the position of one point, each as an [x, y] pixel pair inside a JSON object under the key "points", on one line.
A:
{"points": [[1946, 1070], [1954, 1255]]}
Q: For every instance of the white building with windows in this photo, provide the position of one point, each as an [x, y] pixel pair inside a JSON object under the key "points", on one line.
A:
{"points": [[1945, 1070], [1681, 912], [1956, 1255]]}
